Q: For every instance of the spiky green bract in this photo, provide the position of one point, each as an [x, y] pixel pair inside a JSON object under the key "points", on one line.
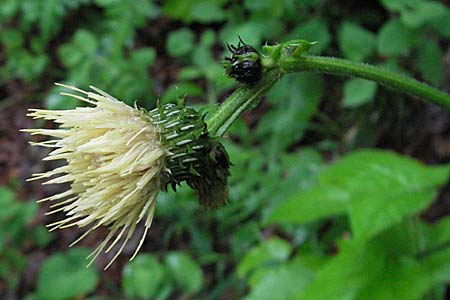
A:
{"points": [[212, 186], [192, 156]]}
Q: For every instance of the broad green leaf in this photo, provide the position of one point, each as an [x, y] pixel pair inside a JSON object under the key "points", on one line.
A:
{"points": [[430, 62], [345, 275], [65, 276], [185, 271], [439, 233], [437, 251], [441, 24], [358, 91], [143, 277], [355, 42], [180, 42], [370, 271], [439, 264], [286, 281], [376, 189], [405, 279], [395, 39], [267, 252], [316, 203]]}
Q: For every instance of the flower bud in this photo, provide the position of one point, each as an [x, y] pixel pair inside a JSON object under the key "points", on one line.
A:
{"points": [[244, 65]]}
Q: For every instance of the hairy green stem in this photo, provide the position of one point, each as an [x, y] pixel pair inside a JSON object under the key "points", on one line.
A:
{"points": [[246, 97], [242, 99], [382, 76]]}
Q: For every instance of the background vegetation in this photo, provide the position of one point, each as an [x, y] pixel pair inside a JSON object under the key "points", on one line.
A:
{"points": [[314, 214]]}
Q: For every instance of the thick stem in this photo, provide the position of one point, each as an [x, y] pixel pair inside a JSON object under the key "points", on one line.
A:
{"points": [[241, 99], [382, 76], [247, 96]]}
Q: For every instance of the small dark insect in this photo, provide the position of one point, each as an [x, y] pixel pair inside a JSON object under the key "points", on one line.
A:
{"points": [[244, 65]]}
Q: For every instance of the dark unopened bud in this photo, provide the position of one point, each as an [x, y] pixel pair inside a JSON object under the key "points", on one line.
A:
{"points": [[244, 65]]}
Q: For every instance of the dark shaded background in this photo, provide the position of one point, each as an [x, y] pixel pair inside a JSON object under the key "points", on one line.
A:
{"points": [[148, 50]]}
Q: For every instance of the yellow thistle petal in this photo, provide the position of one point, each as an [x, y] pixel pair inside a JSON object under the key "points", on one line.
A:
{"points": [[114, 159]]}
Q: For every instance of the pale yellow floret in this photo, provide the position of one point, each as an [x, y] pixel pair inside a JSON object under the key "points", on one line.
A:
{"points": [[113, 161]]}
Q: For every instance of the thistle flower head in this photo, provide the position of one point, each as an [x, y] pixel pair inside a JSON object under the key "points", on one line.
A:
{"points": [[118, 158], [113, 160]]}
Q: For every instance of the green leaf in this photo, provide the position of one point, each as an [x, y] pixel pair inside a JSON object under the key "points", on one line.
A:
{"points": [[345, 275], [269, 252], [395, 39], [202, 11], [12, 40], [370, 271], [181, 90], [313, 204], [143, 57], [377, 189], [295, 100], [251, 32], [52, 12], [315, 30], [143, 277], [189, 73], [8, 9], [207, 12], [441, 24], [430, 62], [41, 236], [180, 42], [286, 281], [439, 264], [64, 276], [358, 92], [407, 279], [415, 13], [83, 47], [244, 237], [437, 252], [259, 5], [185, 271], [439, 233], [56, 101], [355, 42], [6, 197]]}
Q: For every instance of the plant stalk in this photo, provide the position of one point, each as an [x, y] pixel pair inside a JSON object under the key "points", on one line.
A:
{"points": [[247, 97], [382, 76], [240, 100]]}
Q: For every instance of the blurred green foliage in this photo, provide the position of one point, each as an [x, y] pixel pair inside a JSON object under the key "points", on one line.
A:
{"points": [[296, 228]]}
